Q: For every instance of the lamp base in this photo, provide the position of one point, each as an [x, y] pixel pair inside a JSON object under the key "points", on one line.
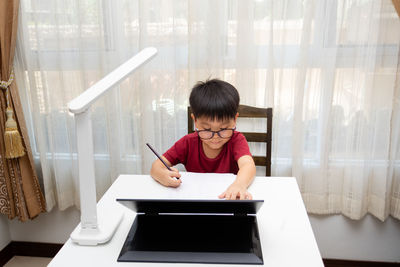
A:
{"points": [[102, 234]]}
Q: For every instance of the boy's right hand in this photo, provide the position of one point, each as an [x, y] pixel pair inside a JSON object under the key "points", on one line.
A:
{"points": [[164, 176], [169, 178]]}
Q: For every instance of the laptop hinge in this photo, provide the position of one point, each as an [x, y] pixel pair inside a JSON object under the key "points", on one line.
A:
{"points": [[148, 213], [151, 213], [240, 214]]}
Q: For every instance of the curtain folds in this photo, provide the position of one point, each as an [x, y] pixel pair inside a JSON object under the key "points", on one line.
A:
{"points": [[328, 68], [20, 193]]}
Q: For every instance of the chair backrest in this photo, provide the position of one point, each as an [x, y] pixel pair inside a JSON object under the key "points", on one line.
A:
{"points": [[264, 137]]}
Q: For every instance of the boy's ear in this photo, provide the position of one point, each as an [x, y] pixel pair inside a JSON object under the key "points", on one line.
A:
{"points": [[237, 115], [194, 119]]}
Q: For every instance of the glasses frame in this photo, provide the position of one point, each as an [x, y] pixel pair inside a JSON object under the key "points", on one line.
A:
{"points": [[214, 132]]}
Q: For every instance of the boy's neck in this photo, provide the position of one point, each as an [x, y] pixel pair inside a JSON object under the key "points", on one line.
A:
{"points": [[209, 152]]}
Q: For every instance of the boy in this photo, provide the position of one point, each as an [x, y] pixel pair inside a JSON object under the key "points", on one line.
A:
{"points": [[215, 146]]}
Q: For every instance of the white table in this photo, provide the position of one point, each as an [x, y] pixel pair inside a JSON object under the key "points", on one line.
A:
{"points": [[285, 231]]}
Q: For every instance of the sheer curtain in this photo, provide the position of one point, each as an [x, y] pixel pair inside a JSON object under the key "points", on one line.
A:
{"points": [[328, 68]]}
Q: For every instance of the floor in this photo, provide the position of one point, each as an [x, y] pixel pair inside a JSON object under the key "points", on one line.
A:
{"points": [[21, 261]]}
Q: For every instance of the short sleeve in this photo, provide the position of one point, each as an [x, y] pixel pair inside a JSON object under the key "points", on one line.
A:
{"points": [[178, 152], [240, 147]]}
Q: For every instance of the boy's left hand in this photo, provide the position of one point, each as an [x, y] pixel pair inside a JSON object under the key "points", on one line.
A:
{"points": [[236, 191]]}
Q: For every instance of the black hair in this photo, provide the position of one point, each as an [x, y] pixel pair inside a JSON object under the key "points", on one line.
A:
{"points": [[214, 99]]}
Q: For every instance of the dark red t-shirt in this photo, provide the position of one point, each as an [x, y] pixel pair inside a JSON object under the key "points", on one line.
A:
{"points": [[189, 151]]}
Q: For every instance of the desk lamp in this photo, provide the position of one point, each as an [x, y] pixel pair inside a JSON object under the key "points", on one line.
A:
{"points": [[93, 229]]}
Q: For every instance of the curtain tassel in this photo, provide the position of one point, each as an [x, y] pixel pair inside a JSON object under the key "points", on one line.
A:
{"points": [[12, 138]]}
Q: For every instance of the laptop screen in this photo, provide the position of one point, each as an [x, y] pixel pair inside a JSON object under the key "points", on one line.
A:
{"points": [[193, 231]]}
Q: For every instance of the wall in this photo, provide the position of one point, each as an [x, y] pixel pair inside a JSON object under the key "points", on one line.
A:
{"points": [[368, 239], [337, 237], [5, 237], [52, 227]]}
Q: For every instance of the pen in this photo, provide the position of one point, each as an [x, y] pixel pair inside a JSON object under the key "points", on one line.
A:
{"points": [[158, 156]]}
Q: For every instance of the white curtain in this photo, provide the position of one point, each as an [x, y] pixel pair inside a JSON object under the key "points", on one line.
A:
{"points": [[329, 69]]}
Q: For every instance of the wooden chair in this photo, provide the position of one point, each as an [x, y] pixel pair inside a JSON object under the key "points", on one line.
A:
{"points": [[264, 137]]}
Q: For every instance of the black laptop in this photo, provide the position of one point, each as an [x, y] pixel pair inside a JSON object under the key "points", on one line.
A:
{"points": [[193, 231]]}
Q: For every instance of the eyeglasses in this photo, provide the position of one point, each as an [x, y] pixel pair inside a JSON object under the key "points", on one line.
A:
{"points": [[208, 134]]}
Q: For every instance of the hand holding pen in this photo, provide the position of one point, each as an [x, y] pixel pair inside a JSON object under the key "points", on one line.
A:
{"points": [[159, 173]]}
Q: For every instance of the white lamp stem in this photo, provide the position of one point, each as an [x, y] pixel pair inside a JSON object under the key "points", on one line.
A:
{"points": [[87, 182]]}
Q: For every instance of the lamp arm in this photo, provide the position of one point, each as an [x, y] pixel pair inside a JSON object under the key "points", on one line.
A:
{"points": [[88, 97]]}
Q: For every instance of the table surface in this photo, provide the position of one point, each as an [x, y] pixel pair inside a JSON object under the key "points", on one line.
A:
{"points": [[285, 231]]}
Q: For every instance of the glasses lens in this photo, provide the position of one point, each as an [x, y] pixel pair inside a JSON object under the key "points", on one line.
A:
{"points": [[205, 134], [226, 133]]}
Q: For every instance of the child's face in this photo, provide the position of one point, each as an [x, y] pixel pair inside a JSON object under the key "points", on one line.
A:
{"points": [[216, 142]]}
